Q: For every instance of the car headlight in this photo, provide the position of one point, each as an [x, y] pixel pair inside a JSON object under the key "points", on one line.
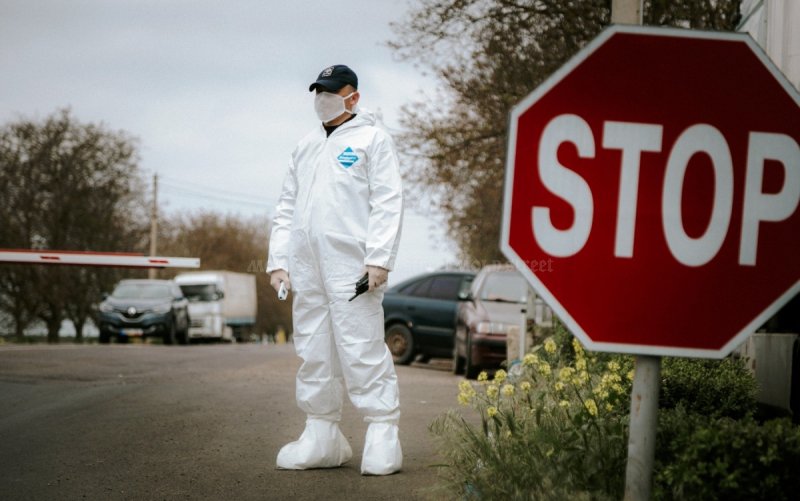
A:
{"points": [[106, 308], [162, 308], [492, 328]]}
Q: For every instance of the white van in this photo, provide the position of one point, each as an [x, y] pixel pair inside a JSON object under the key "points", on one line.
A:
{"points": [[222, 304]]}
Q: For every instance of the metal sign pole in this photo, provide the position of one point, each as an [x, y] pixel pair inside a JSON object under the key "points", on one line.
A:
{"points": [[642, 430], [523, 327], [626, 11], [646, 381]]}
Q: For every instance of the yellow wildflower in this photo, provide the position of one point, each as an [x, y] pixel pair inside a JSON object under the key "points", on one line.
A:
{"points": [[576, 346], [491, 411], [609, 407], [500, 376], [564, 403], [508, 433], [591, 406], [508, 390], [580, 363], [491, 391], [613, 366], [565, 373], [544, 369], [630, 375], [483, 376], [550, 345], [466, 393], [617, 388], [559, 386], [530, 360], [525, 386]]}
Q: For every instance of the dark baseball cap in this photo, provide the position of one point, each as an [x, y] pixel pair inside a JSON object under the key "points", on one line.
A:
{"points": [[334, 78]]}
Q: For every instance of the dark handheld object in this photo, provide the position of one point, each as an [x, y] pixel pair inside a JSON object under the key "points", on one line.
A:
{"points": [[362, 286]]}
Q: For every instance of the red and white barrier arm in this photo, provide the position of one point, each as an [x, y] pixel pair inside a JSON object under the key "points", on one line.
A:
{"points": [[88, 258]]}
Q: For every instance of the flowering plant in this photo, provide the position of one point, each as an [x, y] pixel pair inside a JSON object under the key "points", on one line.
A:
{"points": [[555, 424]]}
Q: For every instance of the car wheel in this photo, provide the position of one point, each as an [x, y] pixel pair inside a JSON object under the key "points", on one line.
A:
{"points": [[470, 371], [424, 358], [105, 337], [169, 335], [400, 343], [183, 336], [458, 360]]}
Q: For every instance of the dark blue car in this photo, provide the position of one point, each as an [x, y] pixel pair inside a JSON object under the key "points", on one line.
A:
{"points": [[144, 308], [420, 314]]}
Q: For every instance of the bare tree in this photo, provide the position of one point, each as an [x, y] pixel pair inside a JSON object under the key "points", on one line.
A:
{"points": [[69, 186], [227, 242], [487, 55]]}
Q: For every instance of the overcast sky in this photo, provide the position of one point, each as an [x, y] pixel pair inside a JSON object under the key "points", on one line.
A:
{"points": [[216, 92]]}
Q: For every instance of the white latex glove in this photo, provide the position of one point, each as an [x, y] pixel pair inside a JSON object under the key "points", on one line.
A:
{"points": [[377, 276], [278, 276]]}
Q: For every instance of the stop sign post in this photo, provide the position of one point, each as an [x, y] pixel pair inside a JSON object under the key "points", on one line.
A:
{"points": [[652, 189]]}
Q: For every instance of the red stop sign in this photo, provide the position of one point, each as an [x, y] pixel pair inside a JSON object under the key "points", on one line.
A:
{"points": [[652, 189]]}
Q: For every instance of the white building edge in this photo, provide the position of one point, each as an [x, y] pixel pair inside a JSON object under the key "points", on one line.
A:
{"points": [[775, 26]]}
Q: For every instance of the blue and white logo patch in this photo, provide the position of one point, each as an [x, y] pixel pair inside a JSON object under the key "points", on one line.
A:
{"points": [[347, 158]]}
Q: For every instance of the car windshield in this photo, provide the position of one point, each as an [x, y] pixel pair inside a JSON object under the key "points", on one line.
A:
{"points": [[507, 287], [141, 291], [200, 292]]}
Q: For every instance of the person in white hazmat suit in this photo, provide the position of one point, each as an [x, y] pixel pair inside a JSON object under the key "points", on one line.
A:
{"points": [[339, 217]]}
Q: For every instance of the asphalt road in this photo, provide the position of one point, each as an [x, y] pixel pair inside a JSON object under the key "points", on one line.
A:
{"points": [[187, 422]]}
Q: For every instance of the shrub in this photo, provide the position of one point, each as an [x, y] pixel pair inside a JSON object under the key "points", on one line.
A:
{"points": [[716, 388], [706, 458], [555, 427]]}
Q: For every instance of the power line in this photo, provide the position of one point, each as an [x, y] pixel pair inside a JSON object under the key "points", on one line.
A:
{"points": [[211, 189], [235, 197], [188, 192], [217, 193]]}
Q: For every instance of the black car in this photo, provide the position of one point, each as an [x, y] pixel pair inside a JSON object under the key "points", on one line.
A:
{"points": [[145, 308], [420, 314]]}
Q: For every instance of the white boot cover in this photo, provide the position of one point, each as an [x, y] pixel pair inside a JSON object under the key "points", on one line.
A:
{"points": [[322, 445], [382, 452]]}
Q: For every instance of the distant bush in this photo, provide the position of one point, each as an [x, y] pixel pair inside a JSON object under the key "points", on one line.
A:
{"points": [[708, 458], [714, 388]]}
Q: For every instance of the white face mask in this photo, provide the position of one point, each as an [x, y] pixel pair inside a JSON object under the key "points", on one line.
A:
{"points": [[329, 105]]}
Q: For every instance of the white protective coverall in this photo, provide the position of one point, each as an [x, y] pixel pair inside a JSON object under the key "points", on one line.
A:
{"points": [[340, 209]]}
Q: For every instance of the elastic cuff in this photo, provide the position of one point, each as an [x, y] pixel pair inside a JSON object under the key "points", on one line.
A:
{"points": [[393, 417], [380, 264], [332, 418]]}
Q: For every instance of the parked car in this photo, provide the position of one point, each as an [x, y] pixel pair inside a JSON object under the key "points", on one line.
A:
{"points": [[420, 314], [493, 304], [145, 308]]}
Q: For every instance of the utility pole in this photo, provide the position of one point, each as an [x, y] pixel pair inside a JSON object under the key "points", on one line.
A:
{"points": [[151, 273]]}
